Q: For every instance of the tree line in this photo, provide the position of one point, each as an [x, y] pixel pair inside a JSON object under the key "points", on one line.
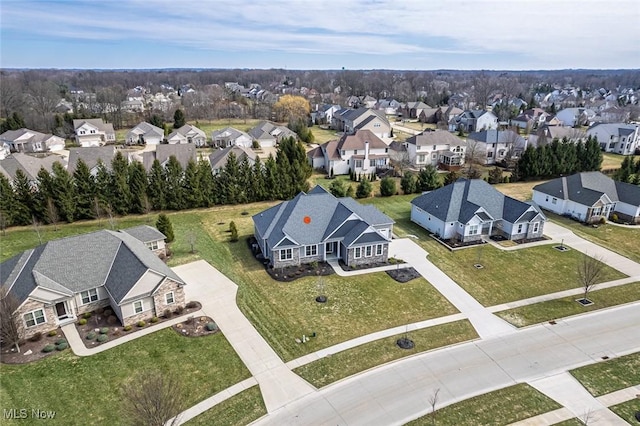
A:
{"points": [[557, 159], [127, 188]]}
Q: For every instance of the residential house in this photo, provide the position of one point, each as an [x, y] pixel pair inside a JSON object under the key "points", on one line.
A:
{"points": [[188, 134], [388, 106], [151, 237], [589, 196], [218, 158], [436, 147], [92, 157], [317, 227], [230, 136], [362, 152], [575, 116], [352, 120], [469, 210], [57, 282], [619, 138], [546, 134], [441, 114], [93, 132], [182, 153], [495, 145], [324, 113], [473, 120], [413, 109], [29, 165], [145, 134], [25, 140], [530, 119], [269, 134]]}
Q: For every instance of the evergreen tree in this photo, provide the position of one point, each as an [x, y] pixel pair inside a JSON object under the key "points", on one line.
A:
{"points": [[387, 187], [63, 192], [103, 188], [24, 201], [7, 201], [623, 174], [258, 181], [271, 182], [164, 225], [207, 184], [451, 177], [364, 188], [233, 229], [85, 187], [178, 119], [174, 176], [298, 171], [408, 183], [245, 186], [13, 122], [157, 186], [495, 175], [428, 179], [44, 190], [338, 188], [593, 155], [229, 180], [137, 178], [350, 193], [286, 184], [157, 121], [193, 196]]}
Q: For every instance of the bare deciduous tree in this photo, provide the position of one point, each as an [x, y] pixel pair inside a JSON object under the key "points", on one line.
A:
{"points": [[192, 237], [36, 228], [474, 158], [590, 269], [400, 161], [52, 213], [433, 400], [153, 398], [9, 331]]}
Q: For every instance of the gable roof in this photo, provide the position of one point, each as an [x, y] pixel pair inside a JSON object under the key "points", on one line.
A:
{"points": [[357, 141], [497, 136], [218, 159], [183, 153], [436, 137], [461, 200], [98, 123], [91, 156], [268, 130], [185, 130], [145, 233], [145, 128], [29, 165], [26, 136], [586, 188], [75, 264], [229, 133]]}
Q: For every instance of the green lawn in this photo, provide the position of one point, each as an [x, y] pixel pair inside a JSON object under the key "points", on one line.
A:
{"points": [[570, 422], [240, 409], [627, 410], [209, 126], [613, 161], [623, 241], [500, 407], [343, 364], [321, 135], [86, 390], [608, 376], [567, 306]]}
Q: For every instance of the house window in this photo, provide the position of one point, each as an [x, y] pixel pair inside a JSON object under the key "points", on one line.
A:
{"points": [[536, 227], [357, 253], [519, 228], [434, 155], [379, 249], [554, 201], [311, 250], [376, 124], [355, 152], [490, 154], [89, 296], [169, 298], [153, 245], [473, 229], [421, 158], [138, 307], [34, 318], [546, 199], [358, 164], [368, 251], [434, 147], [286, 254]]}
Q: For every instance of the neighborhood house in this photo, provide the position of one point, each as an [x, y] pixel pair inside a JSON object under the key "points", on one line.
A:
{"points": [[317, 227], [60, 280]]}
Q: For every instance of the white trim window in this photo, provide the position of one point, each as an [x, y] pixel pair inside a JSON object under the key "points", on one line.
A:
{"points": [[536, 227], [357, 252], [473, 229], [89, 296], [368, 251], [33, 318], [520, 225], [138, 307], [169, 298], [286, 254], [153, 245], [311, 250], [379, 249]]}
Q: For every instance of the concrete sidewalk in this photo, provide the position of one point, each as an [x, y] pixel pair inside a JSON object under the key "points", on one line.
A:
{"points": [[342, 273], [485, 323], [217, 293]]}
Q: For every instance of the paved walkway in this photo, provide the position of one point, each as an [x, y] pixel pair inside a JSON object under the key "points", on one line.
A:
{"points": [[217, 293], [341, 272]]}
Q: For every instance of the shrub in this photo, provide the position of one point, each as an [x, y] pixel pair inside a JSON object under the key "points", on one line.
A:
{"points": [[192, 304], [603, 220], [141, 323], [102, 338], [99, 311], [104, 330], [108, 313], [387, 187], [211, 326], [49, 348], [91, 335], [154, 320], [179, 310], [189, 320], [62, 346], [52, 333], [167, 313], [82, 321], [126, 328], [112, 320], [86, 315], [36, 337], [60, 341]]}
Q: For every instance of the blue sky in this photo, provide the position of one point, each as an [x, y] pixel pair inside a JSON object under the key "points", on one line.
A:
{"points": [[320, 34]]}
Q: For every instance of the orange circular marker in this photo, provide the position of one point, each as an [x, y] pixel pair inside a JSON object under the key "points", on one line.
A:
{"points": [[307, 220]]}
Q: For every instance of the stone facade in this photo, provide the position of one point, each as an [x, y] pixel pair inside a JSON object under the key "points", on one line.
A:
{"points": [[90, 307], [627, 218], [144, 316], [277, 263], [49, 316], [352, 261], [159, 300]]}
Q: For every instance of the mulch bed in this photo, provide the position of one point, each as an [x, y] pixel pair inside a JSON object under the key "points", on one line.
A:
{"points": [[31, 351], [369, 265], [100, 324], [530, 240], [196, 327], [403, 275]]}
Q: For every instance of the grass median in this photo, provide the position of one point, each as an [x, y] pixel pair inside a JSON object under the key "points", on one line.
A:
{"points": [[567, 306], [240, 409], [346, 363], [611, 375]]}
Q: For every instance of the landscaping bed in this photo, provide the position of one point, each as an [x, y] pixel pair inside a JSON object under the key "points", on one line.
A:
{"points": [[196, 327], [403, 275], [390, 261], [101, 325], [34, 349]]}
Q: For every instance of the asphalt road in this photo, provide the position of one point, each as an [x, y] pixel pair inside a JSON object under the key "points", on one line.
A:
{"points": [[398, 392]]}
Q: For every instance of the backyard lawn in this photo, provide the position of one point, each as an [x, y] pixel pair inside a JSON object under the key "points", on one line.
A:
{"points": [[567, 306], [346, 363], [86, 390], [501, 407], [608, 376]]}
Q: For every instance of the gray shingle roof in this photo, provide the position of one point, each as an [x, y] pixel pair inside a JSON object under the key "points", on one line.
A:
{"points": [[499, 136], [183, 153], [436, 137], [218, 159], [145, 233], [127, 268], [29, 165], [587, 187], [91, 156]]}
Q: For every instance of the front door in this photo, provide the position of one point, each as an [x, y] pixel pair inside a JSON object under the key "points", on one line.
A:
{"points": [[61, 310]]}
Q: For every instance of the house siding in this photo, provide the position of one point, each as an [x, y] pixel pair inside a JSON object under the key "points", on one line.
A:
{"points": [[90, 307], [277, 263], [49, 315], [159, 300]]}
